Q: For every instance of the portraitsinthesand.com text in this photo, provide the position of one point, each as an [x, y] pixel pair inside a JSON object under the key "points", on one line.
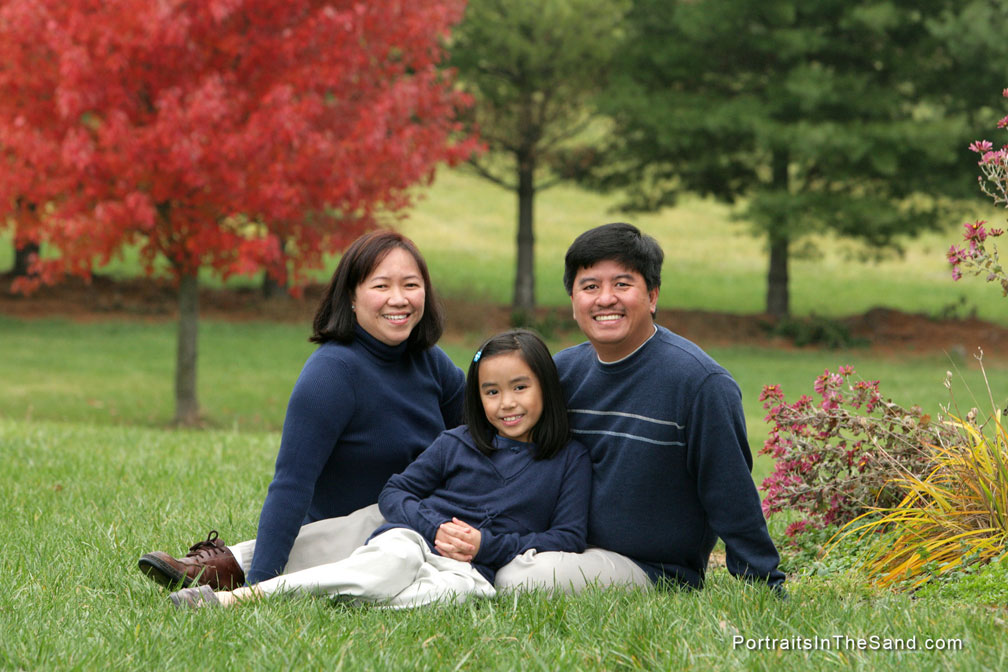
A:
{"points": [[845, 643]]}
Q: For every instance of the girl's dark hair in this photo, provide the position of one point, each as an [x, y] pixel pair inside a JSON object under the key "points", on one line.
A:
{"points": [[334, 319], [552, 432], [620, 242]]}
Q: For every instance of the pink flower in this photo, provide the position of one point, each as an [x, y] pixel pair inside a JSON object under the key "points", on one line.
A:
{"points": [[981, 146], [796, 527], [994, 233], [992, 157], [771, 392], [956, 255], [975, 231]]}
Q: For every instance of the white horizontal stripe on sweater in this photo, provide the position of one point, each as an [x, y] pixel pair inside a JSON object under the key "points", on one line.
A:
{"points": [[628, 436], [627, 415]]}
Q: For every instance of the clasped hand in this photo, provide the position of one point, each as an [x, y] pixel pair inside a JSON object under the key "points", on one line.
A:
{"points": [[457, 540]]}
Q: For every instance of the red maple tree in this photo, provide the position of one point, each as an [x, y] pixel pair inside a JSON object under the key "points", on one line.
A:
{"points": [[231, 135]]}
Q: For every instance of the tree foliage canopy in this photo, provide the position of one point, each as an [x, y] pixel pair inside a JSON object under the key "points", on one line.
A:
{"points": [[211, 133], [819, 116], [232, 135], [532, 69]]}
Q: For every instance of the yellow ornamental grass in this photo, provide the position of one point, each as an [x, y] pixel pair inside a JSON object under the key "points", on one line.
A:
{"points": [[955, 516]]}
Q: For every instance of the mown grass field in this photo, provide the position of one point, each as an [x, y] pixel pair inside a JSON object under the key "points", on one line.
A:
{"points": [[121, 373], [93, 476], [82, 502]]}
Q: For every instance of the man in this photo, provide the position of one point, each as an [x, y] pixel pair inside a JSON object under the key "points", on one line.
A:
{"points": [[664, 425]]}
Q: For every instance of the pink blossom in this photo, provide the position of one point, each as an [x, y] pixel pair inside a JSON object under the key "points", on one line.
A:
{"points": [[771, 392], [956, 255], [796, 527], [981, 146], [993, 157], [975, 231]]}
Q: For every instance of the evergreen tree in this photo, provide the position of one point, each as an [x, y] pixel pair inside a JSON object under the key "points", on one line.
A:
{"points": [[815, 116], [533, 68]]}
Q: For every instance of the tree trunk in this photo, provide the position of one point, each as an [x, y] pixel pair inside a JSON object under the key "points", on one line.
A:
{"points": [[271, 289], [186, 403], [524, 288], [777, 299], [22, 257]]}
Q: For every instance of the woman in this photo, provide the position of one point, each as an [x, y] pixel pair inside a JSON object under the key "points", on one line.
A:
{"points": [[374, 394]]}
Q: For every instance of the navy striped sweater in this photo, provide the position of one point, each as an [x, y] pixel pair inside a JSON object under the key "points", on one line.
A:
{"points": [[671, 461]]}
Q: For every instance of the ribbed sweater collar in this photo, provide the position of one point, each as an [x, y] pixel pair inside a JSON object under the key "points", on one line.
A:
{"points": [[381, 351], [630, 360]]}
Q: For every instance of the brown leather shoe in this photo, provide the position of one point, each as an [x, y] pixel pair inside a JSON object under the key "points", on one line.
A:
{"points": [[208, 563]]}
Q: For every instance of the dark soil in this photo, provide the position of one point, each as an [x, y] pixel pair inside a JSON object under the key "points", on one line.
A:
{"points": [[881, 329]]}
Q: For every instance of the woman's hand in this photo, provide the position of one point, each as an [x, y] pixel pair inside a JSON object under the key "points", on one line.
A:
{"points": [[457, 540]]}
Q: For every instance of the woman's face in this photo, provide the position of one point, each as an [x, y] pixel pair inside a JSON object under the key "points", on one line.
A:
{"points": [[390, 301]]}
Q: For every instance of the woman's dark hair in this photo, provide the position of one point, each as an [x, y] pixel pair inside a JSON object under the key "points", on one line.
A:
{"points": [[620, 242], [334, 319], [552, 432]]}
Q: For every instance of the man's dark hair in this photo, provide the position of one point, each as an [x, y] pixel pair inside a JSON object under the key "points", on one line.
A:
{"points": [[334, 319], [552, 432], [619, 242]]}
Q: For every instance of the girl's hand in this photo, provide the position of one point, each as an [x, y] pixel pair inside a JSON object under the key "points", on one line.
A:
{"points": [[457, 540]]}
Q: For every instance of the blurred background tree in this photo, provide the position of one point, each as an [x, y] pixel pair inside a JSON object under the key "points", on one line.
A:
{"points": [[840, 116], [227, 137], [534, 69]]}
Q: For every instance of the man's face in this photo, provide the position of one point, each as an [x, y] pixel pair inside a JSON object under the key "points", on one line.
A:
{"points": [[613, 307]]}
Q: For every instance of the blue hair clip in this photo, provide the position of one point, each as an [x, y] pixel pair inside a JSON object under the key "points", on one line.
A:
{"points": [[477, 356]]}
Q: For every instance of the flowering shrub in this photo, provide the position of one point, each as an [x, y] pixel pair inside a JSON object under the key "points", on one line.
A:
{"points": [[836, 456], [979, 256]]}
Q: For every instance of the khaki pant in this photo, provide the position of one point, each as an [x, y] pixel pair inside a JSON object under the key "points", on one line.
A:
{"points": [[333, 539], [570, 572], [321, 542], [396, 569]]}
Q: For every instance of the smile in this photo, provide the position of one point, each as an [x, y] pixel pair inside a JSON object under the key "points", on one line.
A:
{"points": [[512, 419], [607, 318], [396, 318]]}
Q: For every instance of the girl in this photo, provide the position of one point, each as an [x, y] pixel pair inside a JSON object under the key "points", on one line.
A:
{"points": [[508, 481]]}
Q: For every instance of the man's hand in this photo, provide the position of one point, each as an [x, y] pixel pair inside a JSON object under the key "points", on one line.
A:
{"points": [[457, 540]]}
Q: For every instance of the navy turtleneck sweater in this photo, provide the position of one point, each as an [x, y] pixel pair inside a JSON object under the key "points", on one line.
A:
{"points": [[359, 412]]}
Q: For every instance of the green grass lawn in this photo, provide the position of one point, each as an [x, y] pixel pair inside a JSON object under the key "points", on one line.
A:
{"points": [[82, 502], [120, 373]]}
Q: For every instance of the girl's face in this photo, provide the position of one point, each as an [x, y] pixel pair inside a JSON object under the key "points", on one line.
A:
{"points": [[390, 301], [511, 395]]}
